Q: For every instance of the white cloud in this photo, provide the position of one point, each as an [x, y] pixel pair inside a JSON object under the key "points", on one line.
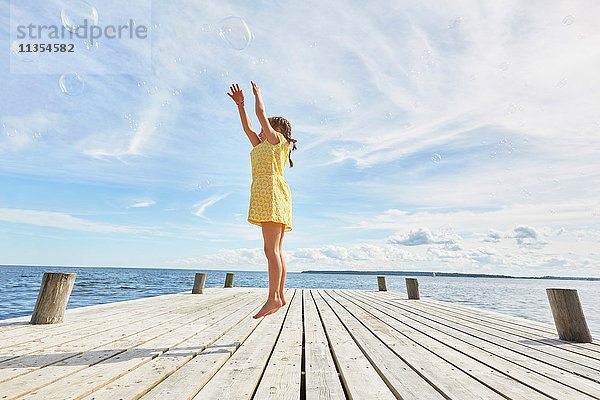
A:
{"points": [[146, 203], [494, 236], [424, 236], [414, 238], [203, 205], [63, 221]]}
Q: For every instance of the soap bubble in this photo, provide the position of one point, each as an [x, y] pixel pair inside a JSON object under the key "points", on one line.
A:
{"points": [[436, 158], [78, 13], [235, 32], [455, 23], [25, 56], [568, 20], [204, 185], [71, 83]]}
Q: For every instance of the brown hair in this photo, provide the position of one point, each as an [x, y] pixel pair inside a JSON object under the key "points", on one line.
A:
{"points": [[286, 130]]}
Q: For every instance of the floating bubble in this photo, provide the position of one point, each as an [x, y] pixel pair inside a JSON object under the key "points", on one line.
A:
{"points": [[24, 50], [568, 20], [71, 83], [90, 45], [561, 83], [235, 32], [436, 158], [204, 185], [77, 13], [152, 89], [205, 27], [455, 23], [259, 60], [503, 66]]}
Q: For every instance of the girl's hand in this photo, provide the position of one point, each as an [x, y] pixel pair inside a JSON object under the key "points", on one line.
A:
{"points": [[236, 94], [255, 89]]}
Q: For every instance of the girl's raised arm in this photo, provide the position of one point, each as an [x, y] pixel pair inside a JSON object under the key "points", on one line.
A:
{"points": [[262, 116], [238, 97]]}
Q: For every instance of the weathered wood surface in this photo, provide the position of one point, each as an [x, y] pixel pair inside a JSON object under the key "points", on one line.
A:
{"points": [[199, 281], [52, 298], [568, 315], [324, 344]]}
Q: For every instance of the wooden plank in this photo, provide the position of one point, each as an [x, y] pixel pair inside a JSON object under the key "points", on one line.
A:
{"points": [[85, 322], [535, 374], [322, 380], [187, 381], [79, 376], [516, 325], [511, 320], [569, 360], [411, 368], [63, 347], [411, 342], [282, 375], [534, 338], [239, 376], [360, 379], [12, 327], [141, 380]]}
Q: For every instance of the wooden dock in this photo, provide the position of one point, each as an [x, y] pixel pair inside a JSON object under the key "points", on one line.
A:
{"points": [[324, 344]]}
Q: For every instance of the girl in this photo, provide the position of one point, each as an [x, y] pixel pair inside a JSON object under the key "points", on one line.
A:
{"points": [[270, 197]]}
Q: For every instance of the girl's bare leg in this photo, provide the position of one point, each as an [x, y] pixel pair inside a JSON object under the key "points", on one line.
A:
{"points": [[271, 232], [283, 270]]}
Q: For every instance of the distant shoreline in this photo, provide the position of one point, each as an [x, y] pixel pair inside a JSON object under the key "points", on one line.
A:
{"points": [[449, 274]]}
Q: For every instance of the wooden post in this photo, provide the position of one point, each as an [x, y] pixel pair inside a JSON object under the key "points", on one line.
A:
{"points": [[412, 288], [381, 283], [199, 280], [568, 315], [229, 279], [52, 298]]}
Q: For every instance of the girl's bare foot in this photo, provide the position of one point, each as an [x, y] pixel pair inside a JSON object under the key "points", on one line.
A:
{"points": [[269, 307], [283, 302]]}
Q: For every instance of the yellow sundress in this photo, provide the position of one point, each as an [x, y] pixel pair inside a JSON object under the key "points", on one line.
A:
{"points": [[270, 197]]}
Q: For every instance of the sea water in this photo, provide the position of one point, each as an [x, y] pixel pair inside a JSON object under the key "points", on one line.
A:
{"points": [[525, 298]]}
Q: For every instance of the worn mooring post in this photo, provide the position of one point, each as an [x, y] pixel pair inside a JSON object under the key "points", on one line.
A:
{"points": [[229, 279], [52, 298], [199, 281], [568, 315], [381, 283], [412, 288]]}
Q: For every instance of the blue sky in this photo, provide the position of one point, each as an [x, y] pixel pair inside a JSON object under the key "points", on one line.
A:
{"points": [[149, 167]]}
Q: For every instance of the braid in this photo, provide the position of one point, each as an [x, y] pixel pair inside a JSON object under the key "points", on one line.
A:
{"points": [[286, 130]]}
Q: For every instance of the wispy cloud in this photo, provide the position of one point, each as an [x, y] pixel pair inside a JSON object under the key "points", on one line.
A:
{"points": [[63, 221], [201, 207], [146, 203]]}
